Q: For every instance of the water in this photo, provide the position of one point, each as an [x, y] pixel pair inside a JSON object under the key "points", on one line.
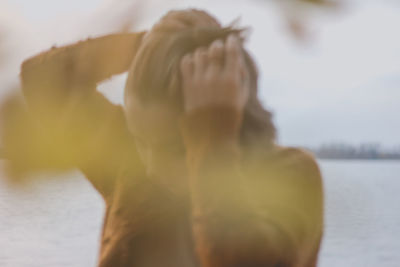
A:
{"points": [[58, 222], [362, 214]]}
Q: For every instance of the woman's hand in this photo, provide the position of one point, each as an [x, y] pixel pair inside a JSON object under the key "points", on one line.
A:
{"points": [[215, 76]]}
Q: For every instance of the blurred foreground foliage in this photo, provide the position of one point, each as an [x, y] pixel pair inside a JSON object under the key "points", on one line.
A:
{"points": [[59, 139], [61, 121]]}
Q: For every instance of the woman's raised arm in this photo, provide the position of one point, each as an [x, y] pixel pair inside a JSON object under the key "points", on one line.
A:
{"points": [[66, 122]]}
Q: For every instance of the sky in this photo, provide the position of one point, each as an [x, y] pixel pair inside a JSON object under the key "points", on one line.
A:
{"points": [[341, 84]]}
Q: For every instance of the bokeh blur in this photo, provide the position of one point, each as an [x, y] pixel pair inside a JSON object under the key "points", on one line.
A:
{"points": [[329, 71]]}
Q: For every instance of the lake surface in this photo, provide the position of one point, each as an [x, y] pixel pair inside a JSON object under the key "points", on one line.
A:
{"points": [[57, 223]]}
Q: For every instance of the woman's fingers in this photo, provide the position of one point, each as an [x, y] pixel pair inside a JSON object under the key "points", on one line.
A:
{"points": [[216, 50], [232, 55], [212, 60], [215, 56], [215, 75], [187, 66], [200, 62]]}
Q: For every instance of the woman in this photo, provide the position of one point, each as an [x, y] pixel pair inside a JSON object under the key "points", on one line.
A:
{"points": [[188, 169]]}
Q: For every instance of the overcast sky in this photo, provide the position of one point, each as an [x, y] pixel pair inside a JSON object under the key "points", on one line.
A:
{"points": [[342, 85]]}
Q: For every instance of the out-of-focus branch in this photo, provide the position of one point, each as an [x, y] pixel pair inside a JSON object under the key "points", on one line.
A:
{"points": [[325, 3], [298, 13]]}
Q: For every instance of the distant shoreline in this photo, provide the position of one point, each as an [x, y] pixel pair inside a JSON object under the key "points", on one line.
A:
{"points": [[371, 152], [354, 159]]}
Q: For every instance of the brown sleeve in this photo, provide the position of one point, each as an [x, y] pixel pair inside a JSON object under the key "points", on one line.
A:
{"points": [[56, 77], [102, 143], [232, 224], [92, 60], [67, 123]]}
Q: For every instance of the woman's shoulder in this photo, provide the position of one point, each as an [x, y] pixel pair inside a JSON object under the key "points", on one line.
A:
{"points": [[287, 176], [296, 156], [285, 159]]}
